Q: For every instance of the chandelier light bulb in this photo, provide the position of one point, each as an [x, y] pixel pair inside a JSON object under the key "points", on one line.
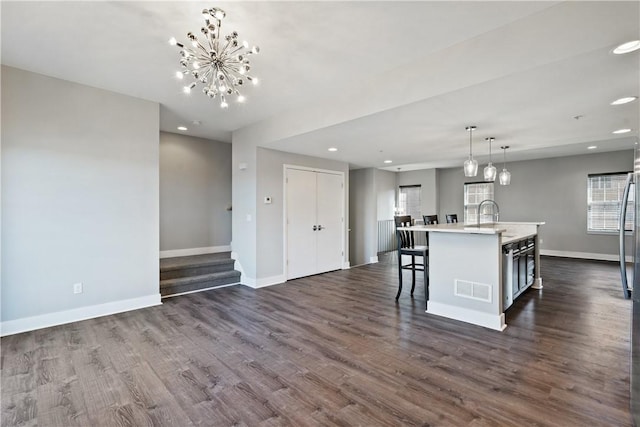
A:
{"points": [[220, 62], [179, 75], [218, 13]]}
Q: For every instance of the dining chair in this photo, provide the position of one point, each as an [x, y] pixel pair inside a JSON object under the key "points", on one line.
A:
{"points": [[407, 246], [452, 218]]}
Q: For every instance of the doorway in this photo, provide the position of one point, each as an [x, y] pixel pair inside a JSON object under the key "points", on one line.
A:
{"points": [[314, 221]]}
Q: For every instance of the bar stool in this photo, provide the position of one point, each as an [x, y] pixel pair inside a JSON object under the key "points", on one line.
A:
{"points": [[452, 218], [430, 219], [406, 246]]}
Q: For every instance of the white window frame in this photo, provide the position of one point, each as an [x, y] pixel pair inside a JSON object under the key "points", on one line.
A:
{"points": [[474, 194], [604, 199]]}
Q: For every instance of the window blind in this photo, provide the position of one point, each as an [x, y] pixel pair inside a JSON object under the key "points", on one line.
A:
{"points": [[604, 201], [474, 193], [409, 201]]}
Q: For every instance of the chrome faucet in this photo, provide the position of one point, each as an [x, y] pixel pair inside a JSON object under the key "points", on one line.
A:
{"points": [[495, 213]]}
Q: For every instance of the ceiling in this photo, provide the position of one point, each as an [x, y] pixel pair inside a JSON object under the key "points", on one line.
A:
{"points": [[378, 80]]}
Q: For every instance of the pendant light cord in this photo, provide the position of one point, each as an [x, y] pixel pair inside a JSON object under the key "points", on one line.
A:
{"points": [[490, 140]]}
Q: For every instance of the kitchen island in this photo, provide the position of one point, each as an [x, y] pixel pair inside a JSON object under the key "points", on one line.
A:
{"points": [[476, 272]]}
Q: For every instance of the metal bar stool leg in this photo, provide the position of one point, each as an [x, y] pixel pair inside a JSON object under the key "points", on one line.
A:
{"points": [[399, 269], [413, 273]]}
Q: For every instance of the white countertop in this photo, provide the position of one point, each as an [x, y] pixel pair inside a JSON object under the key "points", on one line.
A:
{"points": [[509, 230]]}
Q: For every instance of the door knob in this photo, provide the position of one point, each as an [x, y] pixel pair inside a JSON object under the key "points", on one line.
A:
{"points": [[315, 228], [321, 228]]}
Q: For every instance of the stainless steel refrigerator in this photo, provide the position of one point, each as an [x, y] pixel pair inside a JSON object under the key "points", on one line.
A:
{"points": [[631, 285]]}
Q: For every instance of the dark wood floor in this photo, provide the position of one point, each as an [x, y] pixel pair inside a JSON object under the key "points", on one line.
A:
{"points": [[333, 349]]}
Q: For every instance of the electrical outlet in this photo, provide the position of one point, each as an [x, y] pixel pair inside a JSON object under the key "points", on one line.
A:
{"points": [[77, 288]]}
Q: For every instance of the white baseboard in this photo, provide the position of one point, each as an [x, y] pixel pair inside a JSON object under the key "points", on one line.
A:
{"points": [[194, 251], [200, 290], [584, 255], [373, 259], [25, 324], [238, 267], [264, 281], [487, 320], [254, 283], [346, 265]]}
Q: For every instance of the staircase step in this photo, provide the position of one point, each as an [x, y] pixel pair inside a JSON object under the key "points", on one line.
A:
{"points": [[196, 265], [194, 283]]}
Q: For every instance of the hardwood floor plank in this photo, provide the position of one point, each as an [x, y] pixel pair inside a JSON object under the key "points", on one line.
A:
{"points": [[333, 350]]}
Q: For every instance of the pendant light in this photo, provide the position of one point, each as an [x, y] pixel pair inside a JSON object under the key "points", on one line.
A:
{"points": [[490, 170], [471, 164], [505, 175]]}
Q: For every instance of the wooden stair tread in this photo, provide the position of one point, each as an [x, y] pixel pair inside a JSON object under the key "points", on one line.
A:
{"points": [[200, 278], [194, 261]]}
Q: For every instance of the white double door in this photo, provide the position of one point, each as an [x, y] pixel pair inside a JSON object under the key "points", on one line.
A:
{"points": [[314, 221]]}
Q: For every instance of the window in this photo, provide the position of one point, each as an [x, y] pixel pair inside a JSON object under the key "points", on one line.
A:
{"points": [[409, 201], [474, 193], [604, 200]]}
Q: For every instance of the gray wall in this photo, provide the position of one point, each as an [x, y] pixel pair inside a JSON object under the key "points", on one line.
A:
{"points": [[428, 180], [269, 236], [551, 190], [386, 190], [362, 216], [79, 195], [371, 199], [243, 198], [195, 192]]}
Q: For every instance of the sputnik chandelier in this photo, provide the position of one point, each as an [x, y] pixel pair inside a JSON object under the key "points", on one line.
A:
{"points": [[220, 64]]}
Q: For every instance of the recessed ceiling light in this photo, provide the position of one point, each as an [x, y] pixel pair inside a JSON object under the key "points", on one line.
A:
{"points": [[622, 131], [592, 147], [182, 128], [624, 100], [388, 161], [627, 47], [333, 149]]}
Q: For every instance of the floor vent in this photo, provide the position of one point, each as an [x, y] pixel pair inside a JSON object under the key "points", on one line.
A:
{"points": [[472, 290]]}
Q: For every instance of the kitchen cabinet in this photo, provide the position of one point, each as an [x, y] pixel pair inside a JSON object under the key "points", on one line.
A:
{"points": [[518, 269]]}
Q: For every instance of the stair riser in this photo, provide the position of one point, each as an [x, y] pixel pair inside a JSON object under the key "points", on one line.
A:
{"points": [[196, 271], [176, 289]]}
